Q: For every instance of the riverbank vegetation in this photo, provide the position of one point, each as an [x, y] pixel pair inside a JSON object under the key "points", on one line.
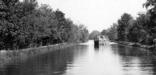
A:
{"points": [[25, 24], [94, 34], [140, 30]]}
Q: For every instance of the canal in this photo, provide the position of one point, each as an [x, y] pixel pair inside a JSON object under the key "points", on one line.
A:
{"points": [[84, 59]]}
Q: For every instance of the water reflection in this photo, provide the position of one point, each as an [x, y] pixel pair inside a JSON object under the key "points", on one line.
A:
{"points": [[135, 61], [85, 59]]}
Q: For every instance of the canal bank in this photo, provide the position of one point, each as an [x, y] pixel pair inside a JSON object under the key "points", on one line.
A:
{"points": [[135, 44], [14, 56]]}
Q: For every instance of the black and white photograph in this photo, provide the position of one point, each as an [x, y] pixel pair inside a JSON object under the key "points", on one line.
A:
{"points": [[77, 37]]}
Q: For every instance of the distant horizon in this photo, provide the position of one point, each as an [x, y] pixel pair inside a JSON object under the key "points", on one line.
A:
{"points": [[96, 14]]}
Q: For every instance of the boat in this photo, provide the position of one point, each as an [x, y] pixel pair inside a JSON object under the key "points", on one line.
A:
{"points": [[100, 40]]}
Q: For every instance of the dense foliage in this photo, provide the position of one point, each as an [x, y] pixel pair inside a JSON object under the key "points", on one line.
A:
{"points": [[111, 32], [94, 34], [26, 24], [141, 30]]}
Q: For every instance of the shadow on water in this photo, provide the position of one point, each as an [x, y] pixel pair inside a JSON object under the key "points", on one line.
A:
{"points": [[54, 63], [137, 60]]}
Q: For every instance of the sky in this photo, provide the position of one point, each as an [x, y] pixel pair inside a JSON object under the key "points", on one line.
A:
{"points": [[96, 14]]}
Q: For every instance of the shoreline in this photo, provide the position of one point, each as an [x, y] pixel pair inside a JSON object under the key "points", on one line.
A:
{"points": [[13, 56], [135, 44]]}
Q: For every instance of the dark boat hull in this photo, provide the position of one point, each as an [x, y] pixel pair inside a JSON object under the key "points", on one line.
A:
{"points": [[96, 43]]}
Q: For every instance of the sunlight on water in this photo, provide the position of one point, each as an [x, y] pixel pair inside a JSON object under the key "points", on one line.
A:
{"points": [[96, 62]]}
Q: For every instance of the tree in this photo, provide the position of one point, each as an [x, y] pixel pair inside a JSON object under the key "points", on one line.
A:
{"points": [[123, 25], [104, 32], [112, 32], [94, 34], [24, 24], [140, 31], [8, 28], [83, 33]]}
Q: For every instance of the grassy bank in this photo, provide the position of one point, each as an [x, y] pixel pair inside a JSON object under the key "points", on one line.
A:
{"points": [[13, 56], [135, 44]]}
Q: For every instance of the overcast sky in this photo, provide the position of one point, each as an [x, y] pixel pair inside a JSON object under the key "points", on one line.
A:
{"points": [[96, 14]]}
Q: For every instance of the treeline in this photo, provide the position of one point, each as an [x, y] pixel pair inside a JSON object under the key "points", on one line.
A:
{"points": [[140, 30], [94, 34], [25, 24]]}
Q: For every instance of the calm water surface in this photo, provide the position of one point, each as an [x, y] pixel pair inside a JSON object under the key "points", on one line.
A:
{"points": [[84, 59]]}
